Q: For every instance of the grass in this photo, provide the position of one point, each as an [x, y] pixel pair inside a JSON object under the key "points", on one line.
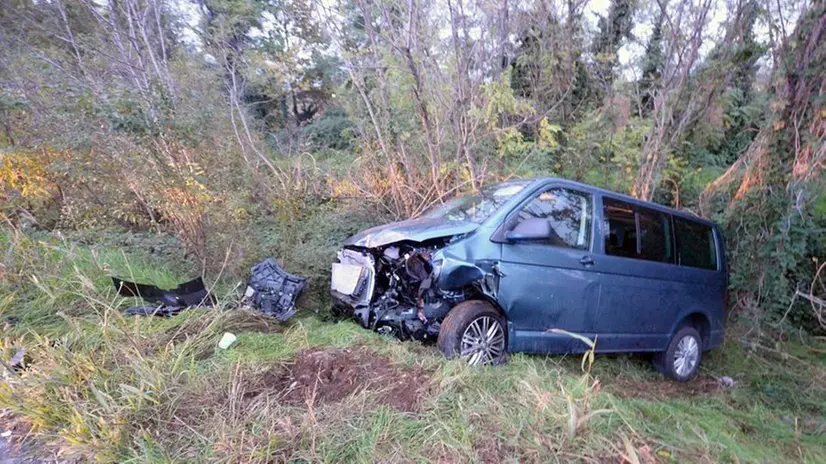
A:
{"points": [[106, 388]]}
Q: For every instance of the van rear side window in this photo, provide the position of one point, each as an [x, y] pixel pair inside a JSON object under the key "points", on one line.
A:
{"points": [[655, 236], [636, 232], [620, 228], [695, 244]]}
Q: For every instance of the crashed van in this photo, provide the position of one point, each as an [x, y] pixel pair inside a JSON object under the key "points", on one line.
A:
{"points": [[524, 264]]}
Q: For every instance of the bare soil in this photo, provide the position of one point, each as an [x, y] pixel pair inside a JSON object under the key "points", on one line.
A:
{"points": [[330, 375], [660, 389], [15, 447]]}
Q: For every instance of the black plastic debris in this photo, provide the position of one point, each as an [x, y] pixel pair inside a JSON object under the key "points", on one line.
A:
{"points": [[272, 290], [168, 302], [192, 293], [159, 310]]}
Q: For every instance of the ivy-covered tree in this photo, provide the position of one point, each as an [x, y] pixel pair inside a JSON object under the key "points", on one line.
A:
{"points": [[775, 231], [652, 66], [731, 115], [613, 29]]}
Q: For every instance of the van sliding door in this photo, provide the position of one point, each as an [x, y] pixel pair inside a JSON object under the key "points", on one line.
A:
{"points": [[638, 282]]}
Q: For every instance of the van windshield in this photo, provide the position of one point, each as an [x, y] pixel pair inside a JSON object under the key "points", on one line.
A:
{"points": [[476, 208]]}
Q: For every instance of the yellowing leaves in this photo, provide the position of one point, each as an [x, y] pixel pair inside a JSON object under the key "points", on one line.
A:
{"points": [[547, 134], [500, 100], [27, 174]]}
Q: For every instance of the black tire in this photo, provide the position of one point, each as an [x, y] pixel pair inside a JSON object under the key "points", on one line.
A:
{"points": [[667, 361], [460, 319]]}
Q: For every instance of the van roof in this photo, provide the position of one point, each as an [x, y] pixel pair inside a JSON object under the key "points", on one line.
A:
{"points": [[620, 196]]}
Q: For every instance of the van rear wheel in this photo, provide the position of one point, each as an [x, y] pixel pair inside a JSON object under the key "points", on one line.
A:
{"points": [[681, 359], [474, 331]]}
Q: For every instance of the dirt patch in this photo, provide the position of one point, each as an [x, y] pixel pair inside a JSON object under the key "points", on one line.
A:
{"points": [[659, 389], [491, 450], [640, 451], [16, 444], [331, 375]]}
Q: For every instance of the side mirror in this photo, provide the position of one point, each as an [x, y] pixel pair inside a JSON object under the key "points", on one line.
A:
{"points": [[530, 229]]}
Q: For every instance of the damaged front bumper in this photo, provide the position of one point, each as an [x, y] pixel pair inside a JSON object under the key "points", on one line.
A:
{"points": [[393, 290]]}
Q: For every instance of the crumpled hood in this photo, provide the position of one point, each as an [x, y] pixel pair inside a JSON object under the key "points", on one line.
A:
{"points": [[414, 230]]}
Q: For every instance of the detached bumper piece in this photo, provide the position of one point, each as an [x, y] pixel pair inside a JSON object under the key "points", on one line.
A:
{"points": [[272, 290], [167, 302]]}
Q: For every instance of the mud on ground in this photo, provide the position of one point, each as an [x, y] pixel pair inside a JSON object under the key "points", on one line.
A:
{"points": [[330, 375], [660, 389]]}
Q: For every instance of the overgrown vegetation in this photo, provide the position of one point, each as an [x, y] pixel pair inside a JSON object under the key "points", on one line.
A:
{"points": [[114, 389], [161, 139]]}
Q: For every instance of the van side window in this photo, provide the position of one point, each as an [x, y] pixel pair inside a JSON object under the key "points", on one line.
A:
{"points": [[655, 236], [568, 213], [636, 232], [620, 228], [695, 244]]}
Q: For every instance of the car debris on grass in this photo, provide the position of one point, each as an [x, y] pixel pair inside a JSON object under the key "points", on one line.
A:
{"points": [[168, 302], [270, 290]]}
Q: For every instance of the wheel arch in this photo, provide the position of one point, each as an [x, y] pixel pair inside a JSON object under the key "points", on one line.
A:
{"points": [[476, 295], [458, 319], [700, 321], [480, 296]]}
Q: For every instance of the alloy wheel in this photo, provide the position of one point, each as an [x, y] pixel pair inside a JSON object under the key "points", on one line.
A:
{"points": [[686, 355], [483, 341]]}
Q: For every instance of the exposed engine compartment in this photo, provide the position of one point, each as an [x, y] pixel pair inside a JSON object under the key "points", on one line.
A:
{"points": [[392, 289]]}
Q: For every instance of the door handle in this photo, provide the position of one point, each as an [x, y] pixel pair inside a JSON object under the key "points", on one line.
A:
{"points": [[586, 261]]}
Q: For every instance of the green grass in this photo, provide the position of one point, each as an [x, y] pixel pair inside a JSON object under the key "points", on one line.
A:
{"points": [[121, 389]]}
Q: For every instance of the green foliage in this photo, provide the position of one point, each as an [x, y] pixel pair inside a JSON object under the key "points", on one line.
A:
{"points": [[500, 101], [776, 235], [333, 130], [652, 65], [613, 29], [792, 242], [610, 162]]}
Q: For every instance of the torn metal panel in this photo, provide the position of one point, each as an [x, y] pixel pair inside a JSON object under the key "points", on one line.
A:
{"points": [[419, 230], [272, 290]]}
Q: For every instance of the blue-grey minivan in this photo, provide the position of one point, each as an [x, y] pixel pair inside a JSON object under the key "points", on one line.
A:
{"points": [[499, 271]]}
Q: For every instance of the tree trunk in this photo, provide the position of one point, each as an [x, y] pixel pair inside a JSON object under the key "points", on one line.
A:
{"points": [[669, 126], [462, 92], [504, 61]]}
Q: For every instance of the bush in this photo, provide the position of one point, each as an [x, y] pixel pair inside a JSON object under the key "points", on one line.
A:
{"points": [[333, 130]]}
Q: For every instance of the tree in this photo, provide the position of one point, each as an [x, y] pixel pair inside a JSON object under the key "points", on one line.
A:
{"points": [[774, 233], [652, 66], [549, 67], [289, 72], [674, 106], [613, 29], [731, 115]]}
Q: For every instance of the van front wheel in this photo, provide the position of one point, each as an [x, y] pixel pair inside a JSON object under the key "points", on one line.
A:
{"points": [[474, 331], [681, 359]]}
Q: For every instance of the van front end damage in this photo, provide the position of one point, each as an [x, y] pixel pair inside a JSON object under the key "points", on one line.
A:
{"points": [[404, 289]]}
